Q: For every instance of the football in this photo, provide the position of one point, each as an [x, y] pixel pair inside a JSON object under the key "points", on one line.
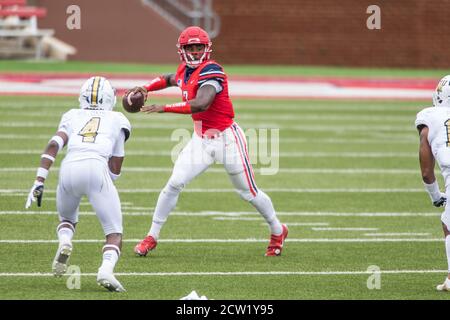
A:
{"points": [[132, 102]]}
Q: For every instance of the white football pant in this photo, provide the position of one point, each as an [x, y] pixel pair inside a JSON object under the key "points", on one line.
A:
{"points": [[229, 149], [89, 177]]}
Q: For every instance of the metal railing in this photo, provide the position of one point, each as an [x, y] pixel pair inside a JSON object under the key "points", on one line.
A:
{"points": [[183, 13]]}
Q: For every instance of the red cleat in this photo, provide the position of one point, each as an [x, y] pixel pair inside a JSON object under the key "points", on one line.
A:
{"points": [[276, 243], [149, 243]]}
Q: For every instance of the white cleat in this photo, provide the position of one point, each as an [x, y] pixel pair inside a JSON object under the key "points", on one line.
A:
{"points": [[445, 286], [108, 281], [59, 266]]}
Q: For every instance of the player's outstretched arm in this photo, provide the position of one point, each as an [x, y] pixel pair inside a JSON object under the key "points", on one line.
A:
{"points": [[427, 163], [159, 83], [56, 143], [205, 96]]}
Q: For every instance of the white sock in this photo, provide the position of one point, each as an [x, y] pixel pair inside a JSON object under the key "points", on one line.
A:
{"points": [[264, 205], [65, 235], [167, 200], [110, 258], [447, 250]]}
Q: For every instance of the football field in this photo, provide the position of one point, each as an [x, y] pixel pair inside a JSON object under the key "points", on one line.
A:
{"points": [[347, 184]]}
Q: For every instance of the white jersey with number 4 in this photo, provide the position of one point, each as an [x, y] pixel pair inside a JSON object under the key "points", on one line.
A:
{"points": [[93, 133], [437, 119]]}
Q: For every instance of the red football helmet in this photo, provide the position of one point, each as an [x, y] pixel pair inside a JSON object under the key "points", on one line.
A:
{"points": [[194, 35]]}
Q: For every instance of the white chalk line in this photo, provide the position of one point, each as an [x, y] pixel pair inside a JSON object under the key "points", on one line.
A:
{"points": [[396, 234], [21, 192], [283, 140], [14, 170], [345, 229], [243, 213], [259, 125], [337, 154], [231, 273], [250, 240]]}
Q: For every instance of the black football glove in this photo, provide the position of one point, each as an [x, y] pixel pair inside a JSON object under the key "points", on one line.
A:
{"points": [[441, 202]]}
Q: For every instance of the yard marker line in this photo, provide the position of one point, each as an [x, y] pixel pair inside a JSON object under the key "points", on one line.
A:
{"points": [[247, 213], [394, 234], [237, 218], [231, 273], [17, 192], [283, 140], [305, 240], [281, 154], [290, 224], [220, 170], [259, 125], [344, 229]]}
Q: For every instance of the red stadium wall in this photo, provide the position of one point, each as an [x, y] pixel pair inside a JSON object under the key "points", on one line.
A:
{"points": [[330, 32], [326, 32], [113, 30]]}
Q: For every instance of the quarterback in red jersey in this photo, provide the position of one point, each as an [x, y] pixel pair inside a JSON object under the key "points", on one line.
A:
{"points": [[216, 137]]}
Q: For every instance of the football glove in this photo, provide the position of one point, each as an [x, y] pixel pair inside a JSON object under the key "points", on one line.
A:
{"points": [[35, 194], [441, 201]]}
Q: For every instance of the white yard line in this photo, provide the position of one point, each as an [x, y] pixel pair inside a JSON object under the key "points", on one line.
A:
{"points": [[21, 192], [344, 229], [283, 140], [245, 213], [281, 154], [13, 170], [396, 234], [235, 273], [251, 240], [259, 125]]}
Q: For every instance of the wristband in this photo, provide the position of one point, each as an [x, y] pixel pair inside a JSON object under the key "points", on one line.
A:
{"points": [[180, 107], [42, 172], [114, 176], [47, 156], [433, 190], [59, 141]]}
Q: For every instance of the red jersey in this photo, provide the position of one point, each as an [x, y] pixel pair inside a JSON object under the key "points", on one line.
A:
{"points": [[219, 116]]}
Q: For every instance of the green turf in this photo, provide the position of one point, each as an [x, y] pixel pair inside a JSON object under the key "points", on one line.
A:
{"points": [[280, 71], [332, 136]]}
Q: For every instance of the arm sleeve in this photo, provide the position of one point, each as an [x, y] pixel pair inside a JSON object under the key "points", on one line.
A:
{"points": [[213, 83], [119, 146]]}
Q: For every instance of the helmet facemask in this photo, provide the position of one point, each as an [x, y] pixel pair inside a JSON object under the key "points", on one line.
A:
{"points": [[194, 36], [189, 56]]}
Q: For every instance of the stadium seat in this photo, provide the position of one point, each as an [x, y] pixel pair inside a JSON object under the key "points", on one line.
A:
{"points": [[19, 32]]}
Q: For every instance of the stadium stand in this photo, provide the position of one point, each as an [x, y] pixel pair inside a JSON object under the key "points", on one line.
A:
{"points": [[184, 13], [20, 36]]}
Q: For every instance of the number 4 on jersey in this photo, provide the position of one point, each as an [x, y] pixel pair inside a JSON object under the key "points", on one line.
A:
{"points": [[90, 130]]}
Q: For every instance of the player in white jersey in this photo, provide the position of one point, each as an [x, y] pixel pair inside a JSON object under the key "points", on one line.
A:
{"points": [[95, 137], [434, 128]]}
